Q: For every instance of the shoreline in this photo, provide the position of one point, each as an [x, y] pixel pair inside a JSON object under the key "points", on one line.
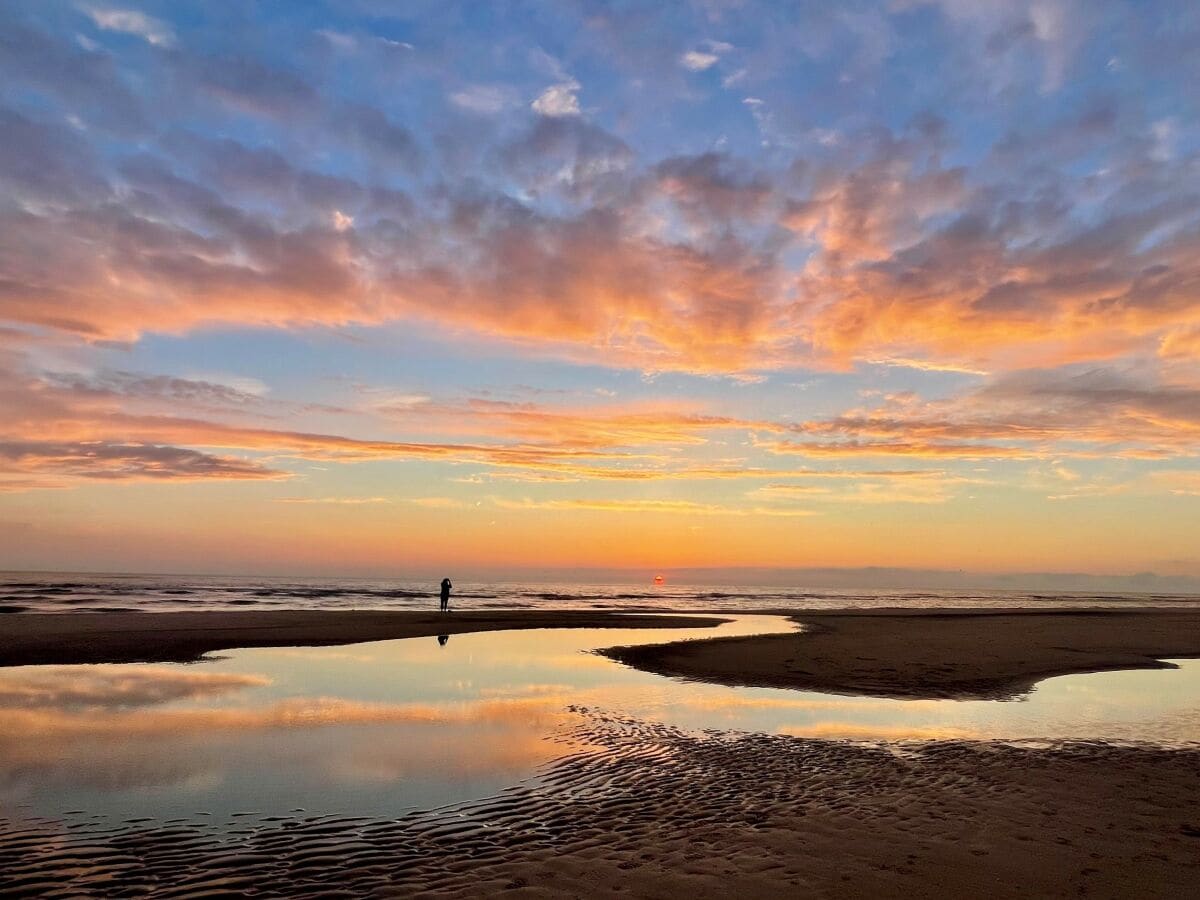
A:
{"points": [[73, 638], [907, 654], [930, 654]]}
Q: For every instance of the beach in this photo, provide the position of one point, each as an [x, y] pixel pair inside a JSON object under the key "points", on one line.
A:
{"points": [[653, 813], [956, 654], [637, 807], [40, 639], [893, 653]]}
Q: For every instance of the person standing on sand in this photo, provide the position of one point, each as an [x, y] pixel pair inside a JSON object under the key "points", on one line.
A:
{"points": [[446, 585]]}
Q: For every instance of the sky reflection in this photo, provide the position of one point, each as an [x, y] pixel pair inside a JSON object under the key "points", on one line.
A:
{"points": [[377, 728]]}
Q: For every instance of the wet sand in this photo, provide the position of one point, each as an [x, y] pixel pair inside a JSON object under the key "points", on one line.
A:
{"points": [[885, 653], [652, 812], [63, 638], [965, 654]]}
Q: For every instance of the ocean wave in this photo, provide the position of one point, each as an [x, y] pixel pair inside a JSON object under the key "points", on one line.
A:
{"points": [[149, 593]]}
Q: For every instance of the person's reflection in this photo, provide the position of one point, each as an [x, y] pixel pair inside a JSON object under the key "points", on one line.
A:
{"points": [[442, 639]]}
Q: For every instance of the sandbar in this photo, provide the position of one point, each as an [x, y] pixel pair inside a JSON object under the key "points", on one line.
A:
{"points": [[960, 654], [119, 637], [930, 654]]}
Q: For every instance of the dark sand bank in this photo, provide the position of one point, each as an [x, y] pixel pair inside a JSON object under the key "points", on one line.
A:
{"points": [[930, 654], [658, 813], [44, 638]]}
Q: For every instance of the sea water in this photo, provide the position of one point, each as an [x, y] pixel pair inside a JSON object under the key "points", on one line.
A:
{"points": [[375, 729]]}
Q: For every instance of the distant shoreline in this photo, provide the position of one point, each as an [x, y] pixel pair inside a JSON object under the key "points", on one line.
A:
{"points": [[755, 578]]}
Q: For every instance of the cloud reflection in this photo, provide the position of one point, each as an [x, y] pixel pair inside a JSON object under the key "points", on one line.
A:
{"points": [[64, 729], [113, 687]]}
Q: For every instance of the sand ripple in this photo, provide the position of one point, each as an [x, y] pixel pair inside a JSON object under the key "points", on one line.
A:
{"points": [[657, 812]]}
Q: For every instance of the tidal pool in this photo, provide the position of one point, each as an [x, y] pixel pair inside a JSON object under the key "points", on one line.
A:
{"points": [[379, 728]]}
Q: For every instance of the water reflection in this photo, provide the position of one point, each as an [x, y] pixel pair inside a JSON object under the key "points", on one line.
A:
{"points": [[373, 729], [113, 687]]}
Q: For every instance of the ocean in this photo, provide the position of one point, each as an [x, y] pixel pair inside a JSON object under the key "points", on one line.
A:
{"points": [[58, 592]]}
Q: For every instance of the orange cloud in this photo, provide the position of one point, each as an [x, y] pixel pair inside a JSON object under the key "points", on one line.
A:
{"points": [[676, 507], [930, 487], [682, 264], [1087, 414], [946, 450], [21, 462], [94, 433]]}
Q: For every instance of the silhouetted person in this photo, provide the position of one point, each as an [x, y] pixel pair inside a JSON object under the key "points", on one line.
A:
{"points": [[442, 639], [446, 585]]}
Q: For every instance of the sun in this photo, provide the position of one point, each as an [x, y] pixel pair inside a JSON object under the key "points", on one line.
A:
{"points": [[658, 579]]}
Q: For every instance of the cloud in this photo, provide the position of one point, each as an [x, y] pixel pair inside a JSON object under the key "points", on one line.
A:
{"points": [[89, 82], [136, 431], [335, 501], [1045, 266], [151, 30], [931, 487], [118, 426], [105, 461], [713, 188], [701, 263], [971, 294], [1008, 44], [558, 100], [1184, 483], [439, 502], [671, 507], [346, 43], [247, 86], [564, 154], [698, 61], [377, 136], [42, 162], [114, 383], [931, 449], [577, 426], [1081, 413], [485, 99]]}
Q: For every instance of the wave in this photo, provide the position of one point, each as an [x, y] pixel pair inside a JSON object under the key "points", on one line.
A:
{"points": [[154, 593]]}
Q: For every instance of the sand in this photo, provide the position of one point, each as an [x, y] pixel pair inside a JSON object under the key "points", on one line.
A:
{"points": [[652, 812], [887, 653], [45, 638], [965, 654], [649, 811]]}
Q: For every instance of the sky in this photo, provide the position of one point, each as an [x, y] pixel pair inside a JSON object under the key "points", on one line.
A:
{"points": [[373, 287]]}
